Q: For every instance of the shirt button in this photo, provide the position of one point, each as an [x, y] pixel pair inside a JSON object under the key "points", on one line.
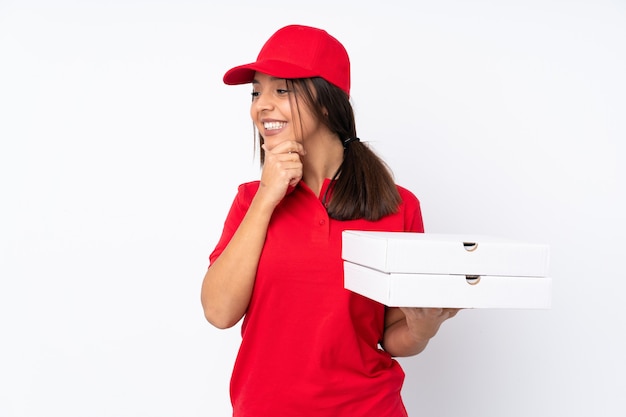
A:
{"points": [[322, 222]]}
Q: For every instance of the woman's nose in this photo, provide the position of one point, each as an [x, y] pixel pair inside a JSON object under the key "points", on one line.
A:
{"points": [[263, 102]]}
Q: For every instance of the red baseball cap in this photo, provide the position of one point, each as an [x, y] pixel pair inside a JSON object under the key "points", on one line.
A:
{"points": [[297, 51]]}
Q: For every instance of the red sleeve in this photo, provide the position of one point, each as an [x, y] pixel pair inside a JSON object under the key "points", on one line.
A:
{"points": [[237, 211], [412, 212]]}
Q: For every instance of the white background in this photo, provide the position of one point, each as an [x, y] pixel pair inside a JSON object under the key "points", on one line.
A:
{"points": [[121, 151]]}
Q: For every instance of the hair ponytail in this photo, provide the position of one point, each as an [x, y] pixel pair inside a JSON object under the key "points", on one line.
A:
{"points": [[364, 186]]}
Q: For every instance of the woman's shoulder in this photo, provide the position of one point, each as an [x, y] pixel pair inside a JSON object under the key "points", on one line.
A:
{"points": [[247, 187], [407, 196], [246, 192], [411, 210]]}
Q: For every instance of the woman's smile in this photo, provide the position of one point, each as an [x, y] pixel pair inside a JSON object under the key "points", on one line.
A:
{"points": [[273, 127]]}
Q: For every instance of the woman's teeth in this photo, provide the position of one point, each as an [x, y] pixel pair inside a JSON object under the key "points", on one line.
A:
{"points": [[273, 125]]}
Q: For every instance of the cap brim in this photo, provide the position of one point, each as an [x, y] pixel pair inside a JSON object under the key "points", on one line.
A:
{"points": [[244, 74]]}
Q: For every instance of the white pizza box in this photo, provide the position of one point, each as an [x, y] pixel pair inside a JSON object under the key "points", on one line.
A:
{"points": [[434, 270], [431, 253], [448, 291]]}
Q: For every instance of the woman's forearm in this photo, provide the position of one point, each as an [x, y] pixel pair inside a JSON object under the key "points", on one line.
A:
{"points": [[398, 340]]}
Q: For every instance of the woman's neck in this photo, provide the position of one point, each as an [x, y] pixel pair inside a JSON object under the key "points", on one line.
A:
{"points": [[322, 160]]}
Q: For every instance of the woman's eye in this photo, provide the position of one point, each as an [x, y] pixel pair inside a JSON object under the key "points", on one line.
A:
{"points": [[255, 94], [282, 91]]}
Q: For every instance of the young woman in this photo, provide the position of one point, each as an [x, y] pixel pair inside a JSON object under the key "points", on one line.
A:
{"points": [[310, 347]]}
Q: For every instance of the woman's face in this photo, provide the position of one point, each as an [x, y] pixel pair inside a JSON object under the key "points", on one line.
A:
{"points": [[277, 114]]}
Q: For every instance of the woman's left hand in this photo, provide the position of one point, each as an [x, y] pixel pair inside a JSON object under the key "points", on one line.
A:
{"points": [[408, 329], [424, 323]]}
